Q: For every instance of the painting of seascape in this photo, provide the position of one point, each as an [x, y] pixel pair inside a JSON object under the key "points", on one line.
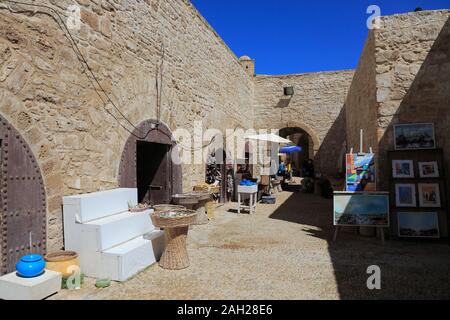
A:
{"points": [[355, 209], [418, 224]]}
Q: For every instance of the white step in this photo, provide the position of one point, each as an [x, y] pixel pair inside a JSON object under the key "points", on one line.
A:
{"points": [[87, 207], [102, 234], [123, 261]]}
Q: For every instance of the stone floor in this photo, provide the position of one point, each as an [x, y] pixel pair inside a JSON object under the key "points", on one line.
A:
{"points": [[284, 251]]}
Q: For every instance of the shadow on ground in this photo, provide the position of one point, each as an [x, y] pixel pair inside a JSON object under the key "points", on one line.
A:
{"points": [[409, 269]]}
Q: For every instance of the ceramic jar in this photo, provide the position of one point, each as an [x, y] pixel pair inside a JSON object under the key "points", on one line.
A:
{"points": [[30, 266]]}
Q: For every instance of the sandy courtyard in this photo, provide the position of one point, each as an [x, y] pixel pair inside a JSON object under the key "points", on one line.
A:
{"points": [[284, 251]]}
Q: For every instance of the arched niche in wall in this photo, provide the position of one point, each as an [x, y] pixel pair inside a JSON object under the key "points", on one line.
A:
{"points": [[146, 163], [22, 197]]}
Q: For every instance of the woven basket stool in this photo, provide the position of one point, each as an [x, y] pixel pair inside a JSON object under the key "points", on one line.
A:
{"points": [[175, 255]]}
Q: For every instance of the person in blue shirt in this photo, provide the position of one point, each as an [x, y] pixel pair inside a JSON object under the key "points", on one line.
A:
{"points": [[281, 169]]}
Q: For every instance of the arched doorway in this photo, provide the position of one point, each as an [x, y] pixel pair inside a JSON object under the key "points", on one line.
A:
{"points": [[23, 214], [304, 140], [147, 165]]}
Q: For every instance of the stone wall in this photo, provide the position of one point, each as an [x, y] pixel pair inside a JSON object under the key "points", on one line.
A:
{"points": [[316, 107], [46, 95], [407, 62], [413, 82], [413, 75], [361, 103]]}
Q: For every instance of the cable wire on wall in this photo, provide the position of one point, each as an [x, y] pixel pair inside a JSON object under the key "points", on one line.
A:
{"points": [[105, 98]]}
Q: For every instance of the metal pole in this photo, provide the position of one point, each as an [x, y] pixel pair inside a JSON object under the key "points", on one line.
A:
{"points": [[361, 141]]}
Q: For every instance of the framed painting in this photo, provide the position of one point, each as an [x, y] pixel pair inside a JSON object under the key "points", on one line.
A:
{"points": [[405, 195], [429, 195], [428, 169], [361, 209], [402, 169], [414, 136], [418, 224]]}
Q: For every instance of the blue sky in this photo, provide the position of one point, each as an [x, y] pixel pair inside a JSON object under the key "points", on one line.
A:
{"points": [[295, 36]]}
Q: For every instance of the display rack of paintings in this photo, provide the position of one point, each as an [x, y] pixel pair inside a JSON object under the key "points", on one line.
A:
{"points": [[417, 184]]}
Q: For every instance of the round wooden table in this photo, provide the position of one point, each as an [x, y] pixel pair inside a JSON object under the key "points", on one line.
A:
{"points": [[175, 255], [195, 200]]}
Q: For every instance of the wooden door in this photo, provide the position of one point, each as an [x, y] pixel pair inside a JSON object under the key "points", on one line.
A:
{"points": [[157, 187], [22, 198], [153, 172]]}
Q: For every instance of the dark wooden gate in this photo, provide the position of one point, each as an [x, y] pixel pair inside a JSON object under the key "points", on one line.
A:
{"points": [[22, 198], [153, 172], [159, 185]]}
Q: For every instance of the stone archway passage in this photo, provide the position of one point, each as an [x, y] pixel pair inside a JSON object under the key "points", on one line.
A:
{"points": [[22, 198], [137, 160], [303, 139]]}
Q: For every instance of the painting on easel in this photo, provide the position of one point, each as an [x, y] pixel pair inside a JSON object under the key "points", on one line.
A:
{"points": [[360, 171], [361, 209]]}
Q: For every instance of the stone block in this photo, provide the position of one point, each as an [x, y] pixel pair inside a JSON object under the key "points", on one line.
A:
{"points": [[91, 19], [13, 287]]}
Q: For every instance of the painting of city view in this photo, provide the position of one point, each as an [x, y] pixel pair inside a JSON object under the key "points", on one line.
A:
{"points": [[352, 209], [418, 224], [414, 136]]}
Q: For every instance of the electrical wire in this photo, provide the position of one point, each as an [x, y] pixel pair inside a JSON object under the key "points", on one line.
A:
{"points": [[83, 62], [95, 81]]}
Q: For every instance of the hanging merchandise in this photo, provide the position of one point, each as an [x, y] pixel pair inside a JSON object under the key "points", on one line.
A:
{"points": [[230, 182], [213, 175]]}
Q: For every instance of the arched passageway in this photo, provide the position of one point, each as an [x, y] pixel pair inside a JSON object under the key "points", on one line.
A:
{"points": [[22, 197], [304, 140], [147, 164]]}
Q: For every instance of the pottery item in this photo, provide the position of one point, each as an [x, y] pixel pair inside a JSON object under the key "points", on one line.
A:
{"points": [[60, 261], [30, 266]]}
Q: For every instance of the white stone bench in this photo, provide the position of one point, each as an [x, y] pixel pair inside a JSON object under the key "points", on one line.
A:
{"points": [[111, 241]]}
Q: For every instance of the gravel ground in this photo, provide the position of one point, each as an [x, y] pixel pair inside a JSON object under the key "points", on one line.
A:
{"points": [[284, 251]]}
